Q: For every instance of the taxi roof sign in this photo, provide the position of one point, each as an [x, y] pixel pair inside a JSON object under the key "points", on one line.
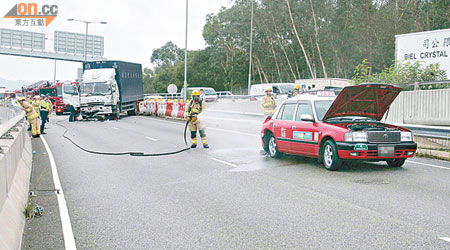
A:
{"points": [[326, 93]]}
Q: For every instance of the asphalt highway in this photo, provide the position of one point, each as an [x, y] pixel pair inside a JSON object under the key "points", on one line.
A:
{"points": [[234, 197]]}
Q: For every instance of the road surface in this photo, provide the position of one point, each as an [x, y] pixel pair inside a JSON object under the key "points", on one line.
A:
{"points": [[232, 196]]}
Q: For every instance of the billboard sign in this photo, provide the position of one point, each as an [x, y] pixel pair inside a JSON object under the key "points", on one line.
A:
{"points": [[427, 47], [73, 43], [22, 39]]}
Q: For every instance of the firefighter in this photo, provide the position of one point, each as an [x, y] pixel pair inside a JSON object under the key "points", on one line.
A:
{"points": [[194, 108], [296, 90], [36, 103], [268, 103], [44, 111], [51, 108], [32, 116]]}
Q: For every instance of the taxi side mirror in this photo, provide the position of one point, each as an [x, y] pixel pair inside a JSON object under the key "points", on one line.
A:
{"points": [[307, 118]]}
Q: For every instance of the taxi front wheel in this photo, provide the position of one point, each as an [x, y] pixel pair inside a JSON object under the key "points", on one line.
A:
{"points": [[330, 157], [396, 163], [273, 149]]}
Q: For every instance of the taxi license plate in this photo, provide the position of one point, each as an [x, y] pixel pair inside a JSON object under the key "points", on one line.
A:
{"points": [[386, 151]]}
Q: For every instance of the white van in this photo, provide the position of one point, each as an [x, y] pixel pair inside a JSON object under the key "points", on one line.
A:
{"points": [[277, 88]]}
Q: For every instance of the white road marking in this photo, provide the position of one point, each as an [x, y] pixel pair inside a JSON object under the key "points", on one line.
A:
{"points": [[69, 240], [445, 238], [115, 128], [224, 162], [208, 128], [429, 165], [151, 139]]}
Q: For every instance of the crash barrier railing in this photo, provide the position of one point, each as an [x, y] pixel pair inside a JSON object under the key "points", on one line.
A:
{"points": [[433, 132], [9, 156], [163, 108], [426, 107], [8, 111], [428, 85], [15, 171]]}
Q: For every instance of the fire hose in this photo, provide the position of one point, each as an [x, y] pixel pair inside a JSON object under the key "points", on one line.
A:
{"points": [[131, 153]]}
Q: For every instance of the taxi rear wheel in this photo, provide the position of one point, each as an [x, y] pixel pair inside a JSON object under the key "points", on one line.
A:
{"points": [[273, 149], [396, 163], [330, 157]]}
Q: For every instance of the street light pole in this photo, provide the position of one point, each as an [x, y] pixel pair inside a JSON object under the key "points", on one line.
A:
{"points": [[250, 58], [85, 42], [86, 36], [185, 56]]}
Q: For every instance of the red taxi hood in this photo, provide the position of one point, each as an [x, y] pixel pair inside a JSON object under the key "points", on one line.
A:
{"points": [[369, 100]]}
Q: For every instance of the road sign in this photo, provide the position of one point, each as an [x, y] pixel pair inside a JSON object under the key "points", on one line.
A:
{"points": [[73, 43], [22, 39], [426, 47], [172, 88]]}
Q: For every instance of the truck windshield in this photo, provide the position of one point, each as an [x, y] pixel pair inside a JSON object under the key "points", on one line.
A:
{"points": [[95, 88]]}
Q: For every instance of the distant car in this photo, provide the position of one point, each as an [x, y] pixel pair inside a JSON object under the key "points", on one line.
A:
{"points": [[277, 88], [333, 129], [224, 93], [259, 90], [210, 93]]}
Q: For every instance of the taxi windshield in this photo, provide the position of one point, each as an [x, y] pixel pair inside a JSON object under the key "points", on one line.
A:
{"points": [[322, 108]]}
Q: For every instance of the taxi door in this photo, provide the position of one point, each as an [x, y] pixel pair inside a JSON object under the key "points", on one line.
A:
{"points": [[283, 127], [305, 132]]}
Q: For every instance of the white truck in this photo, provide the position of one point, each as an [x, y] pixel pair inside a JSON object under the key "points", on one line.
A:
{"points": [[108, 88]]}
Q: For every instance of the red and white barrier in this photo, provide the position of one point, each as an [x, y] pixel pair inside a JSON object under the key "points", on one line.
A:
{"points": [[163, 108]]}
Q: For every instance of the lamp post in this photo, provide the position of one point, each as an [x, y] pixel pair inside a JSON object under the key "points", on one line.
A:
{"points": [[185, 57], [85, 38], [250, 57]]}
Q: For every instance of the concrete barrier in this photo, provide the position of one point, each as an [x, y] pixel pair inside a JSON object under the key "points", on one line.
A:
{"points": [[15, 170], [425, 107]]}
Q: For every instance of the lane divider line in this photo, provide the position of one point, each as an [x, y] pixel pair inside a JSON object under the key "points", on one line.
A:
{"points": [[69, 240], [151, 139], [429, 165], [445, 238], [115, 128], [224, 162]]}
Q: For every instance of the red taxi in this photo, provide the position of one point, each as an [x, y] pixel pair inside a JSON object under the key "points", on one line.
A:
{"points": [[333, 129]]}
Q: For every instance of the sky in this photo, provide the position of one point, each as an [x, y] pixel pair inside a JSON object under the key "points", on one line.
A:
{"points": [[134, 28]]}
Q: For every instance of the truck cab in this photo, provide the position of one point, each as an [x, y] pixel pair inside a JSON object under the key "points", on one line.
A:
{"points": [[99, 93]]}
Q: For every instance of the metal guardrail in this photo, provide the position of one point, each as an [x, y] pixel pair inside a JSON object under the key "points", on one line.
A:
{"points": [[433, 132]]}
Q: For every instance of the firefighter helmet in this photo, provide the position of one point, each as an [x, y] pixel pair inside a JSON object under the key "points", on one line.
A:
{"points": [[195, 92], [269, 89], [297, 86]]}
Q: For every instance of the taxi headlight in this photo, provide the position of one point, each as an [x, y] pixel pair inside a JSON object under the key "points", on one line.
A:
{"points": [[356, 137], [406, 136]]}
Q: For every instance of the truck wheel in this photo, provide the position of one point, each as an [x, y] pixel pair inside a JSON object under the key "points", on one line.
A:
{"points": [[330, 157], [273, 149], [396, 163]]}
